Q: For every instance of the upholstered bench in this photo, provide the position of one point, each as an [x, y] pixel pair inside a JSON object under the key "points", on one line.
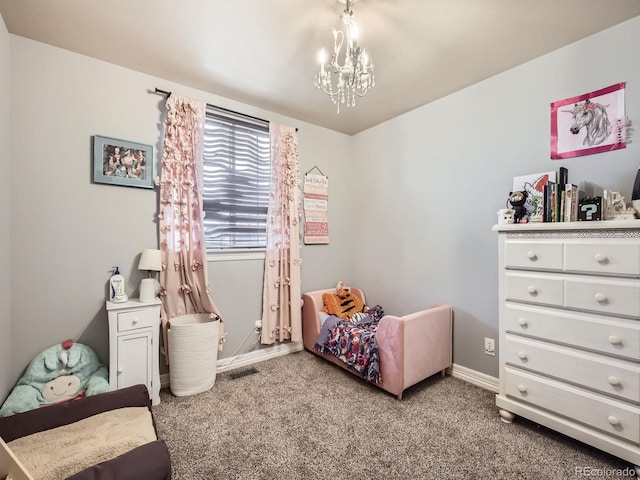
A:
{"points": [[106, 436]]}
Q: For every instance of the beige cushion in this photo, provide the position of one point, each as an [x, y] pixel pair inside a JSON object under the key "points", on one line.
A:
{"points": [[10, 466], [63, 451]]}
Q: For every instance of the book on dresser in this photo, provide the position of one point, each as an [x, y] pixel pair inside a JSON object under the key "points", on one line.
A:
{"points": [[570, 203], [569, 328]]}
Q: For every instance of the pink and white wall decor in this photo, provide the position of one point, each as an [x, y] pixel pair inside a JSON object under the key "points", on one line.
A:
{"points": [[594, 122]]}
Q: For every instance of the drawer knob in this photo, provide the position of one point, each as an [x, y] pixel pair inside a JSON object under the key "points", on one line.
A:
{"points": [[532, 256], [523, 322], [615, 340], [120, 370], [600, 258], [613, 420], [134, 321], [600, 297], [532, 290], [615, 381], [522, 388], [522, 355]]}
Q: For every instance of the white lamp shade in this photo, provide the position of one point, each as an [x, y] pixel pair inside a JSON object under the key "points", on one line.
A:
{"points": [[151, 260]]}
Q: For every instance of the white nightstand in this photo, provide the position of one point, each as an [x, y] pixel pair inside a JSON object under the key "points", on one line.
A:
{"points": [[134, 348]]}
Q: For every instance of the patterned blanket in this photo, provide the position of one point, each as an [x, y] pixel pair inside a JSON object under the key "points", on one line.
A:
{"points": [[353, 343]]}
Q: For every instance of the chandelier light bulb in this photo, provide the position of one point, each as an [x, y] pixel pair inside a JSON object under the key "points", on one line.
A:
{"points": [[322, 58], [353, 34], [347, 75], [365, 58]]}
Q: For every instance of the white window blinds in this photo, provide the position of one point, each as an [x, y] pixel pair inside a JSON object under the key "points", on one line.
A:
{"points": [[236, 177]]}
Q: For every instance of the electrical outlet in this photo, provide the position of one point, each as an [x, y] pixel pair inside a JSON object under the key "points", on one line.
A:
{"points": [[258, 326], [489, 347]]}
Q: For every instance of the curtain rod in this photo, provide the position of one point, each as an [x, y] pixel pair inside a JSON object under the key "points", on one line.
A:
{"points": [[167, 94]]}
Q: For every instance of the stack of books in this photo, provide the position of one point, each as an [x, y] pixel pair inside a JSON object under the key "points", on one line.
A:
{"points": [[554, 198]]}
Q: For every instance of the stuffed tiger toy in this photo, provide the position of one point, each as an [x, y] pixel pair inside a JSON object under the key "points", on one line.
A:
{"points": [[343, 303]]}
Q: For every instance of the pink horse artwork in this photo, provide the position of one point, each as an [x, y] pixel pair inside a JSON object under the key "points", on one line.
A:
{"points": [[594, 119], [590, 123]]}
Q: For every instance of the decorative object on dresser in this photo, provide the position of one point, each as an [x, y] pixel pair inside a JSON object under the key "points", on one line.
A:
{"points": [[589, 209], [569, 303], [521, 205], [615, 207], [134, 346], [635, 193], [151, 261], [506, 215], [534, 185]]}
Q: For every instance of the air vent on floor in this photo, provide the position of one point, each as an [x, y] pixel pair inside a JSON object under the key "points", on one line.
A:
{"points": [[243, 373]]}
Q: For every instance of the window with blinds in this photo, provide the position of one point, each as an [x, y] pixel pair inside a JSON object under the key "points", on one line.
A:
{"points": [[236, 177]]}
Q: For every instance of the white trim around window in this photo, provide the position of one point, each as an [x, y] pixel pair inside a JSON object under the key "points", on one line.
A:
{"points": [[235, 255]]}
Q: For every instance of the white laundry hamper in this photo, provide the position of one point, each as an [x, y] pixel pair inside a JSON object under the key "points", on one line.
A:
{"points": [[193, 353]]}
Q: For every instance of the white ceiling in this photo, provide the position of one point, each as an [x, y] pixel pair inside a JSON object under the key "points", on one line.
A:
{"points": [[264, 52]]}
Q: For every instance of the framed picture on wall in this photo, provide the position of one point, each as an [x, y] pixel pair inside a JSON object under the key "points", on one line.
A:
{"points": [[120, 162], [594, 122]]}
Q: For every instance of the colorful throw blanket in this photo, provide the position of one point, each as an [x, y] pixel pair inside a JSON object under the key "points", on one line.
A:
{"points": [[353, 343]]}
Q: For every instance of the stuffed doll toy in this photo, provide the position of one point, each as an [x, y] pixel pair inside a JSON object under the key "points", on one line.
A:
{"points": [[66, 371], [343, 303], [518, 201]]}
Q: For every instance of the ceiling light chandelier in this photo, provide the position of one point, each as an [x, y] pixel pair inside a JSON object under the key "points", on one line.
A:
{"points": [[354, 77]]}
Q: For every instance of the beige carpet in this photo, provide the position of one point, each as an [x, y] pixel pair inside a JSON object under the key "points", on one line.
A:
{"points": [[301, 417]]}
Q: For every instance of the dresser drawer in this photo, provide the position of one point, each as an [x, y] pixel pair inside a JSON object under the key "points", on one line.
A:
{"points": [[613, 297], [607, 375], [534, 288], [606, 414], [612, 336], [605, 257], [134, 319], [541, 255]]}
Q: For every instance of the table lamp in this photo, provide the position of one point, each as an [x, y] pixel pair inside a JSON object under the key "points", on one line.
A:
{"points": [[151, 261]]}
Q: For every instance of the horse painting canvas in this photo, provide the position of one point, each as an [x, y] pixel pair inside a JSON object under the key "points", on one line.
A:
{"points": [[591, 123]]}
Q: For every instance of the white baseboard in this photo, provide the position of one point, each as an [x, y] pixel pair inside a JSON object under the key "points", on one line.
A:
{"points": [[244, 359], [458, 371], [477, 378]]}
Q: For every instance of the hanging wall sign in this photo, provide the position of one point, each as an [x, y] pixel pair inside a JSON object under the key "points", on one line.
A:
{"points": [[316, 198]]}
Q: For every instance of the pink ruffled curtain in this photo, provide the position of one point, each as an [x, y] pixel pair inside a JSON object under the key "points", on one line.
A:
{"points": [[183, 279], [281, 297]]}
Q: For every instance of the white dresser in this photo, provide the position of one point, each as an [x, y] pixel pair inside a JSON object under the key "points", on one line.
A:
{"points": [[134, 345], [569, 296]]}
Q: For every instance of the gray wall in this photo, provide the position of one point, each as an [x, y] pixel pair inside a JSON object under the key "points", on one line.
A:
{"points": [[68, 232], [433, 179], [415, 230], [5, 199]]}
